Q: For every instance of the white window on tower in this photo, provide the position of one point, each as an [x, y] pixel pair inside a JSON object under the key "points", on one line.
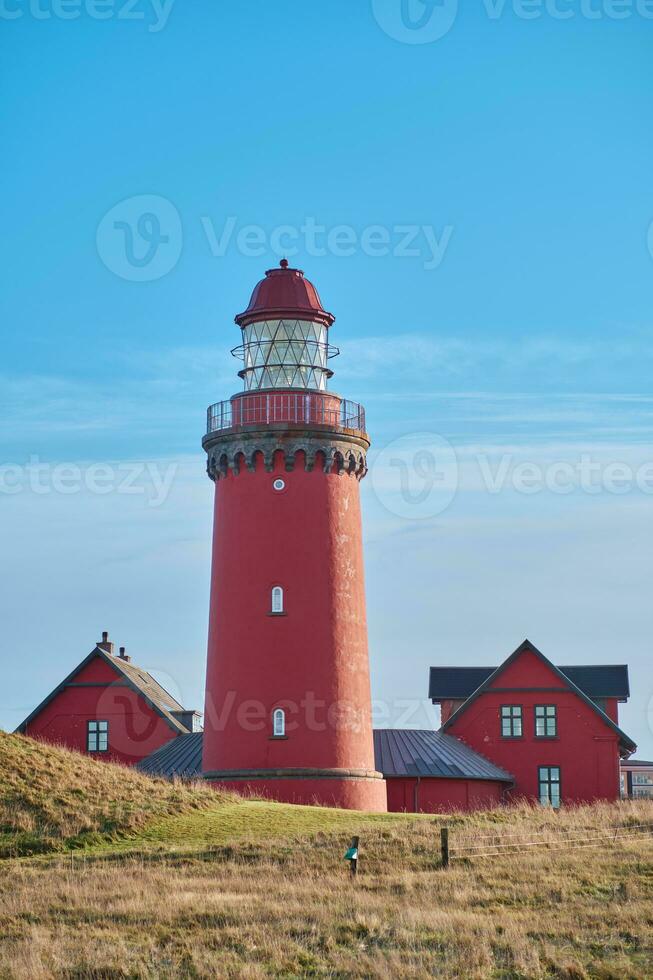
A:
{"points": [[279, 723], [277, 599]]}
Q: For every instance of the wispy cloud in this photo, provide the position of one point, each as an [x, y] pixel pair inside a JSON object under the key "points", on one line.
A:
{"points": [[413, 353]]}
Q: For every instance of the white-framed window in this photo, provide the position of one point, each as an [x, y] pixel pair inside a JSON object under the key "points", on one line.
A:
{"points": [[278, 723], [279, 485], [277, 599], [511, 721], [549, 786], [546, 721], [97, 736]]}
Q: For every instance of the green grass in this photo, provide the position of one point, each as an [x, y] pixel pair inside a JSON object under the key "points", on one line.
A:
{"points": [[249, 821]]}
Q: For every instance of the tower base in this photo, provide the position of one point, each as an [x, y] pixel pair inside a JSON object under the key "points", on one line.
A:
{"points": [[347, 789]]}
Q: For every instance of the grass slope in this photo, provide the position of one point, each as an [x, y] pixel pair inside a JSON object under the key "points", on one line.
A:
{"points": [[51, 798]]}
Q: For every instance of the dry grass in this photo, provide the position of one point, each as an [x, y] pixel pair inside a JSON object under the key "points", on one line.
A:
{"points": [[51, 798], [270, 909], [253, 890]]}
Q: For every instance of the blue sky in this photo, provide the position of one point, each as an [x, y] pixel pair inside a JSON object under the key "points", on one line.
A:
{"points": [[511, 158]]}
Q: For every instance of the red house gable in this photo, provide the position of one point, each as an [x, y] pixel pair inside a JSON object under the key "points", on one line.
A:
{"points": [[530, 719], [109, 708], [527, 670]]}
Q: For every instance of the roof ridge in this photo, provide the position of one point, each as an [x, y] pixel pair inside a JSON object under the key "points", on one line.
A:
{"points": [[528, 646]]}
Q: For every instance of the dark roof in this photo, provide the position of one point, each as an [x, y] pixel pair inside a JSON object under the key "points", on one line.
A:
{"points": [[181, 757], [456, 683], [600, 680], [635, 763], [596, 680], [403, 752], [625, 742], [135, 677], [397, 753]]}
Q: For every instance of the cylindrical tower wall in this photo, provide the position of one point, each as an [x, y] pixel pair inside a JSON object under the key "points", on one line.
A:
{"points": [[310, 660]]}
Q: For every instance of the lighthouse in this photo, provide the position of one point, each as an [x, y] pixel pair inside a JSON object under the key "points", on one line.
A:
{"points": [[288, 705]]}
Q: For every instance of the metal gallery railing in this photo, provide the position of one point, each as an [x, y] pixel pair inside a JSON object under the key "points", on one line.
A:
{"points": [[296, 408]]}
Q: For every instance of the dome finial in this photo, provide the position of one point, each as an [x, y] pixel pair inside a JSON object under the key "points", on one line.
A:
{"points": [[284, 263]]}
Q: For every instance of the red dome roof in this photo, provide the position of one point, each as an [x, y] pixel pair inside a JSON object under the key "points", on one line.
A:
{"points": [[284, 293]]}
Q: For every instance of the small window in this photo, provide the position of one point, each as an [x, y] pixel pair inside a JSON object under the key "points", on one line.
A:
{"points": [[277, 599], [279, 723], [549, 786], [97, 736], [546, 720], [511, 721]]}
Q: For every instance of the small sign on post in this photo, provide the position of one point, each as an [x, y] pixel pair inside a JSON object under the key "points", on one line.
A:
{"points": [[352, 856], [444, 843]]}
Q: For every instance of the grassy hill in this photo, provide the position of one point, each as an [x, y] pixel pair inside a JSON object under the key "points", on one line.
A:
{"points": [[169, 881], [51, 798]]}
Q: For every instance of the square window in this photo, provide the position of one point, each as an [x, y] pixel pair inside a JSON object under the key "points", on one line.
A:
{"points": [[546, 720], [511, 721]]}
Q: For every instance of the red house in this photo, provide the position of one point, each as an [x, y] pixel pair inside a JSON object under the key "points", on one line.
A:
{"points": [[110, 708], [555, 729], [526, 729]]}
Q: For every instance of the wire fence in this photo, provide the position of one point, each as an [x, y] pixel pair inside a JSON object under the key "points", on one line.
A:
{"points": [[494, 845]]}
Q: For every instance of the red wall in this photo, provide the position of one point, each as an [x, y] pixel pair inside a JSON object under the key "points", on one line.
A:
{"points": [[441, 795], [135, 730], [586, 749], [313, 661]]}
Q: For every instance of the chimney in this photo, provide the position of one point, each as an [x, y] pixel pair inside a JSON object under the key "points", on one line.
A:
{"points": [[123, 656], [105, 644]]}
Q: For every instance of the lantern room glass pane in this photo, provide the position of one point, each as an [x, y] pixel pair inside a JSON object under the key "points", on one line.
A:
{"points": [[291, 353]]}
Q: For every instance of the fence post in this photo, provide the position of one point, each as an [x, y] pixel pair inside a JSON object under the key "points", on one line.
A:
{"points": [[444, 844]]}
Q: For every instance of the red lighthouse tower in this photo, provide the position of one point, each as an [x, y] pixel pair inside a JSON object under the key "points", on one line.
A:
{"points": [[288, 710]]}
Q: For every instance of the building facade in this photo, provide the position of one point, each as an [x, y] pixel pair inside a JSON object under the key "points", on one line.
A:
{"points": [[111, 709], [559, 742], [637, 779]]}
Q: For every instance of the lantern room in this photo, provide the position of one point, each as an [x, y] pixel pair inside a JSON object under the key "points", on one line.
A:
{"points": [[285, 334]]}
